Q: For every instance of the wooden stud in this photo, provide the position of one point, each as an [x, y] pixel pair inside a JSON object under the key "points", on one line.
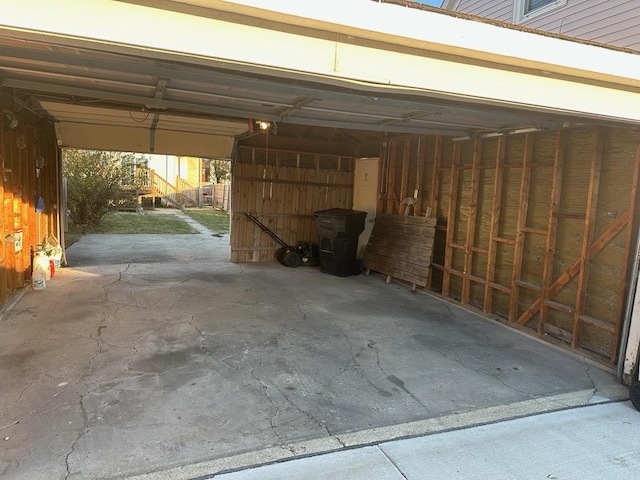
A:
{"points": [[550, 245], [435, 179], [612, 230], [422, 153], [383, 162], [435, 189], [495, 223], [525, 181], [587, 235], [471, 222], [391, 197], [404, 180], [451, 220]]}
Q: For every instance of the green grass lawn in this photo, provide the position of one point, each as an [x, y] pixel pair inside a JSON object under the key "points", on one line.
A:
{"points": [[130, 222], [215, 220]]}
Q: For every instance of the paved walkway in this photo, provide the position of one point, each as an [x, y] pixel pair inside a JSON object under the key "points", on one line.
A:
{"points": [[198, 227], [592, 442]]}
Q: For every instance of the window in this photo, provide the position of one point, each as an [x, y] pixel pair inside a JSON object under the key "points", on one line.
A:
{"points": [[531, 5], [524, 10]]}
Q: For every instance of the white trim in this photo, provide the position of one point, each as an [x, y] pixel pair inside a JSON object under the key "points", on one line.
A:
{"points": [[549, 78], [631, 350], [520, 16]]}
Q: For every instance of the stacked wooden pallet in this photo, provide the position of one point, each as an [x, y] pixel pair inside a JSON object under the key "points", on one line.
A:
{"points": [[401, 248]]}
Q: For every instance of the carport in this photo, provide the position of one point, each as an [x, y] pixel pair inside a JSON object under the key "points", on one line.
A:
{"points": [[183, 364], [456, 123], [440, 100]]}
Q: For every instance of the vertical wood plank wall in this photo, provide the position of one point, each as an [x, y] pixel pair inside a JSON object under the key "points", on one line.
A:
{"points": [[536, 229], [283, 191], [19, 149]]}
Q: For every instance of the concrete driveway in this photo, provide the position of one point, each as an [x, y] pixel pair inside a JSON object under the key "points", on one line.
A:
{"points": [[152, 353]]}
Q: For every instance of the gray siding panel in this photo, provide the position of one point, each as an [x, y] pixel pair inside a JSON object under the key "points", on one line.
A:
{"points": [[498, 9], [614, 22]]}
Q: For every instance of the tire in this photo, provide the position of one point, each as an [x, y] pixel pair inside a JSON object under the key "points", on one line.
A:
{"points": [[291, 258], [280, 254], [634, 387]]}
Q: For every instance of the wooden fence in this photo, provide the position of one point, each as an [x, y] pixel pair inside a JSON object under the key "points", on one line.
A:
{"points": [[283, 194]]}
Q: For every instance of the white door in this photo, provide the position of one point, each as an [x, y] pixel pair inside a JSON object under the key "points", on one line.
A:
{"points": [[365, 196]]}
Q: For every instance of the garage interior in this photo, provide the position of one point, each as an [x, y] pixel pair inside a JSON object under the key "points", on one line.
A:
{"points": [[535, 207]]}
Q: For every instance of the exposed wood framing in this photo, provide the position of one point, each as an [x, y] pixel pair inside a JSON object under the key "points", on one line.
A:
{"points": [[523, 206], [550, 246], [495, 222], [629, 243], [614, 228], [451, 219], [554, 214], [471, 222], [391, 181], [422, 153], [435, 189], [383, 177], [435, 175], [406, 152], [587, 237]]}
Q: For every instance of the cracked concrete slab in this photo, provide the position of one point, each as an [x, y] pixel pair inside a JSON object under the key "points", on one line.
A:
{"points": [[152, 353]]}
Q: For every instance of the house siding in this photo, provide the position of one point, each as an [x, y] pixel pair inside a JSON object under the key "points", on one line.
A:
{"points": [[615, 23], [497, 9]]}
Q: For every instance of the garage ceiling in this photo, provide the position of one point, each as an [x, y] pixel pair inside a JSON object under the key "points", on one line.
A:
{"points": [[134, 99], [82, 86]]}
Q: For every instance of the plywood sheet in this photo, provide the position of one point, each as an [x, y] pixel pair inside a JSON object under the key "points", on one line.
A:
{"points": [[401, 247]]}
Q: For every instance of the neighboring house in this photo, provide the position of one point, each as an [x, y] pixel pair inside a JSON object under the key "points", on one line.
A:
{"points": [[190, 171], [604, 21], [177, 169], [176, 179]]}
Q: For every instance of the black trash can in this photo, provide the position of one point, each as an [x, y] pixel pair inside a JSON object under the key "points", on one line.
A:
{"points": [[338, 230]]}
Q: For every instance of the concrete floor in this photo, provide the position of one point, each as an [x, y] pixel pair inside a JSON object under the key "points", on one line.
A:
{"points": [[152, 352]]}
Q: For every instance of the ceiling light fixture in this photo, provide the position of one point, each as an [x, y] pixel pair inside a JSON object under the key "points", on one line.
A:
{"points": [[262, 126]]}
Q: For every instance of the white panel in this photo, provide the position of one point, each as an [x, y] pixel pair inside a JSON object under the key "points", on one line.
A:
{"points": [[104, 137], [631, 352], [365, 196], [528, 91]]}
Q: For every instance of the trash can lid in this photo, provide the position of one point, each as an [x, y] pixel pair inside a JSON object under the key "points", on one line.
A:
{"points": [[338, 212]]}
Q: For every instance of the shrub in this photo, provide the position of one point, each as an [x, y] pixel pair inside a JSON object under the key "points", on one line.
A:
{"points": [[97, 182]]}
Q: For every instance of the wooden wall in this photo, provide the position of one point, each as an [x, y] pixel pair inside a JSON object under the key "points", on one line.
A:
{"points": [[283, 189], [536, 229], [19, 148]]}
